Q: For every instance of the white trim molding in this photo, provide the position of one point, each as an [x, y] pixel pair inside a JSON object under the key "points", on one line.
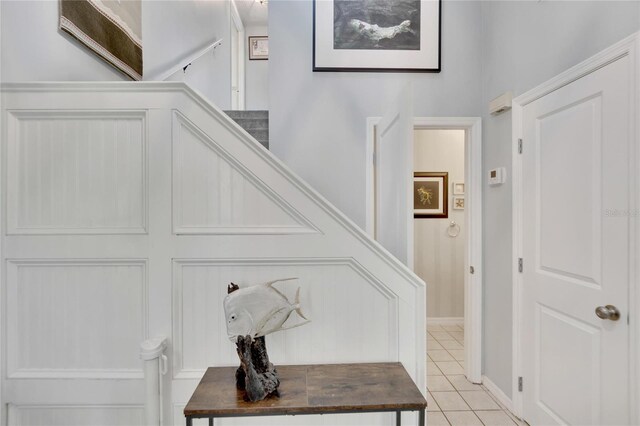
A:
{"points": [[445, 321], [628, 47], [370, 160], [473, 222], [236, 22]]}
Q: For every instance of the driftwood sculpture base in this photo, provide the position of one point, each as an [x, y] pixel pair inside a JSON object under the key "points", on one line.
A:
{"points": [[256, 375]]}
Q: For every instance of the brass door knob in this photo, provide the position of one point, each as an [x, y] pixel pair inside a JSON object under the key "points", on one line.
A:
{"points": [[609, 312]]}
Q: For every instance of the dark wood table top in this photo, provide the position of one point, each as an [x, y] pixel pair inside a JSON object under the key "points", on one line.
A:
{"points": [[311, 389]]}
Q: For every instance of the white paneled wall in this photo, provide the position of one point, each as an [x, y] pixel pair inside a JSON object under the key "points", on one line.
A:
{"points": [[49, 301], [130, 207], [218, 195], [439, 258], [125, 415], [328, 287], [76, 172]]}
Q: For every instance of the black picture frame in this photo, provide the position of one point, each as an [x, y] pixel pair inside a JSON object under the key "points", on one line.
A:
{"points": [[253, 57], [317, 68]]}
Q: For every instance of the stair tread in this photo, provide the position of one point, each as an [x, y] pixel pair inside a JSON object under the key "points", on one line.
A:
{"points": [[254, 122], [247, 114]]}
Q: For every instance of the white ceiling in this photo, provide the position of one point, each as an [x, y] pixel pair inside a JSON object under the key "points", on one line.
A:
{"points": [[252, 12]]}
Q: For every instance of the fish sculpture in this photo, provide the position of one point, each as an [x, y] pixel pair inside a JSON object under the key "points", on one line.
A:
{"points": [[259, 310], [376, 33]]}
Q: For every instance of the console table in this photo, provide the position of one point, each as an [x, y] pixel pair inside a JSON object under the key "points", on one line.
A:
{"points": [[311, 389]]}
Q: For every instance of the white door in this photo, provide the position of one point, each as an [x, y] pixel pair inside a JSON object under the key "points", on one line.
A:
{"points": [[576, 188], [394, 175]]}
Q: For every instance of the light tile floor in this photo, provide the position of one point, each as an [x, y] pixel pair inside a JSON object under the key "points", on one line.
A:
{"points": [[452, 399]]}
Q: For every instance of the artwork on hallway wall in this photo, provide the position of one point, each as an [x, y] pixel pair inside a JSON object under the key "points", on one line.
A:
{"points": [[258, 48], [110, 28], [458, 203], [458, 188], [376, 35], [430, 195]]}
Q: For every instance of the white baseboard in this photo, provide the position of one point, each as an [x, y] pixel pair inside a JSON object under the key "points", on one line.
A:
{"points": [[445, 321], [497, 392]]}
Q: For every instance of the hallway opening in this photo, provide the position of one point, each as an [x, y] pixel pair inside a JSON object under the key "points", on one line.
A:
{"points": [[439, 221], [471, 129]]}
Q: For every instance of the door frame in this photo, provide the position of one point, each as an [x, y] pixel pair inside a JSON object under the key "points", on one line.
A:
{"points": [[473, 222], [236, 23], [630, 47]]}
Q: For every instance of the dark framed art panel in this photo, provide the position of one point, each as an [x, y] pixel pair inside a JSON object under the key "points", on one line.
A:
{"points": [[113, 31], [376, 35], [431, 195]]}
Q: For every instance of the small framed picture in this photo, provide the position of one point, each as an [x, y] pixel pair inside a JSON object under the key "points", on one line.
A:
{"points": [[430, 199], [458, 203], [258, 48], [458, 188]]}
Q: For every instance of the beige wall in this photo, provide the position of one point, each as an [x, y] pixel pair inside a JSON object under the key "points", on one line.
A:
{"points": [[439, 258]]}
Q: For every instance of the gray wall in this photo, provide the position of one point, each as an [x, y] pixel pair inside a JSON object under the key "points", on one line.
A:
{"points": [[525, 44], [173, 30], [256, 74], [34, 49], [317, 120]]}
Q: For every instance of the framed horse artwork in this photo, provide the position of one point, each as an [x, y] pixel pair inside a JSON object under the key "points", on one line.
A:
{"points": [[430, 195]]}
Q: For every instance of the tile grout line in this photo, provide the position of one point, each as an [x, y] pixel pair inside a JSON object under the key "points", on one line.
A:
{"points": [[481, 388]]}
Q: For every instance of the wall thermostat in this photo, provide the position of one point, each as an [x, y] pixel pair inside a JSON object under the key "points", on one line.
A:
{"points": [[497, 176]]}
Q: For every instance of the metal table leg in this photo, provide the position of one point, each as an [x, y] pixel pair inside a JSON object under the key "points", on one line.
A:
{"points": [[210, 421], [398, 418], [189, 421], [421, 418]]}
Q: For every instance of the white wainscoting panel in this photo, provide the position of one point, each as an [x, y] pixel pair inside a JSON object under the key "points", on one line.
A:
{"points": [[61, 415], [76, 172], [75, 319], [343, 301], [215, 194], [128, 210]]}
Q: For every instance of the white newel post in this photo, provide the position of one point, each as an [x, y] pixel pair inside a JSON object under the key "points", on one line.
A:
{"points": [[155, 365]]}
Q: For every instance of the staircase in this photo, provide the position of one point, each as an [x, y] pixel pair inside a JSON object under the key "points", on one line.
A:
{"points": [[159, 202], [256, 123]]}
